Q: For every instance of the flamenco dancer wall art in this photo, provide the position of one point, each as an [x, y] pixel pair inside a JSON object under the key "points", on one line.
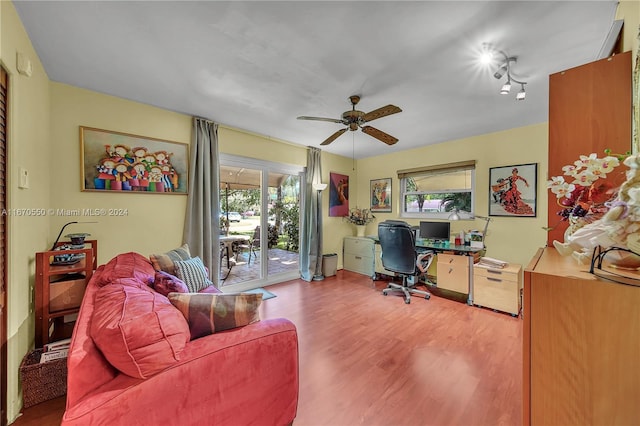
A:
{"points": [[513, 190]]}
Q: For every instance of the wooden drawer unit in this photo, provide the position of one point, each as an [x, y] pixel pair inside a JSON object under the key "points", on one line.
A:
{"points": [[453, 272], [358, 255], [498, 289]]}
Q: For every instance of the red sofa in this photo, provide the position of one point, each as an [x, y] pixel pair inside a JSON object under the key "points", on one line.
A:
{"points": [[243, 376]]}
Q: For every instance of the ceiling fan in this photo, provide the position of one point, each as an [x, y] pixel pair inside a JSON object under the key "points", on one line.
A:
{"points": [[355, 119]]}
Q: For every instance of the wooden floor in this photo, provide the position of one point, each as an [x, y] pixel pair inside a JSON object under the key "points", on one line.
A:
{"points": [[366, 359]]}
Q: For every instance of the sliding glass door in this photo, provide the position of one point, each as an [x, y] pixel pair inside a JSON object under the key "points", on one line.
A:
{"points": [[259, 222]]}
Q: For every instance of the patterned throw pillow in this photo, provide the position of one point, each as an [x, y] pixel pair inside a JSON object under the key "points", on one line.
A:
{"points": [[210, 313], [193, 273], [165, 262], [165, 283]]}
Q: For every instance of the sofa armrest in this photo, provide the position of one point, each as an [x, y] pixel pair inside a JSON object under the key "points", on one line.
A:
{"points": [[247, 376]]}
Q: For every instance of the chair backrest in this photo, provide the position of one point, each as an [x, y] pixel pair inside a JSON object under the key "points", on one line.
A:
{"points": [[256, 237], [398, 244]]}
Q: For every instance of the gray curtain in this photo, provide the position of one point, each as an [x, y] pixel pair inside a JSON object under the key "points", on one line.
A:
{"points": [[202, 225], [311, 239]]}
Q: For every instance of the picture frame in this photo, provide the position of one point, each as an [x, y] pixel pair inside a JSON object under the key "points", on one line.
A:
{"points": [[338, 195], [380, 195], [513, 190], [125, 163]]}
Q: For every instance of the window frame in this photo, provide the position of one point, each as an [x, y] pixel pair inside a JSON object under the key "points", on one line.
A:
{"points": [[404, 175]]}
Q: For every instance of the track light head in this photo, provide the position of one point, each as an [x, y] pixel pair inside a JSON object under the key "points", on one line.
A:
{"points": [[521, 94], [501, 71], [506, 88]]}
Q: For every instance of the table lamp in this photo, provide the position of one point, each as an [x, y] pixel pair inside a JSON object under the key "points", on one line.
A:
{"points": [[455, 215]]}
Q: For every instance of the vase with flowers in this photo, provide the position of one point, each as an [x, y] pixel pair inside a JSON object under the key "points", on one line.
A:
{"points": [[583, 191], [618, 227], [360, 218]]}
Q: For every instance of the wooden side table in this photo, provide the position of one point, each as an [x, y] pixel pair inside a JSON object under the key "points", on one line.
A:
{"points": [[59, 290]]}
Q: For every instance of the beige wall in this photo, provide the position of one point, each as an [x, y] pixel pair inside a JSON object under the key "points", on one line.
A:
{"points": [[513, 239], [28, 147], [153, 222]]}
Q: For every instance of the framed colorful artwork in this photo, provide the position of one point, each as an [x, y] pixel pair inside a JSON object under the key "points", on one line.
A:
{"points": [[512, 190], [381, 195], [121, 162], [338, 194]]}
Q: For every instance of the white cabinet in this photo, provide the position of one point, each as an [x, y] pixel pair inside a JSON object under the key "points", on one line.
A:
{"points": [[358, 255]]}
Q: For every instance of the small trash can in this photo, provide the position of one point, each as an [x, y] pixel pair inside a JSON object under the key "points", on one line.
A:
{"points": [[329, 264]]}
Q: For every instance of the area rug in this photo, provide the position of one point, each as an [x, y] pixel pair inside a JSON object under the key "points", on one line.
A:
{"points": [[265, 294]]}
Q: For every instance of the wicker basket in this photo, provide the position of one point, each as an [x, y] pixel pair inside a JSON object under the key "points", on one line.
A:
{"points": [[42, 382]]}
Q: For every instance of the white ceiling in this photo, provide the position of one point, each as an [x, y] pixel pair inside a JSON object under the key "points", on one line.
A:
{"points": [[257, 65]]}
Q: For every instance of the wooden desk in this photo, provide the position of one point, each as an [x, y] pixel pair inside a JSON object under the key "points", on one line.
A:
{"points": [[455, 263], [581, 345]]}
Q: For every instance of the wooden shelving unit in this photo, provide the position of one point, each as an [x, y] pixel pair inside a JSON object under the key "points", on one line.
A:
{"points": [[50, 317]]}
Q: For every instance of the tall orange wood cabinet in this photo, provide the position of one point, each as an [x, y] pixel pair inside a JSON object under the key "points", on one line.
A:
{"points": [[581, 345], [581, 339], [590, 110]]}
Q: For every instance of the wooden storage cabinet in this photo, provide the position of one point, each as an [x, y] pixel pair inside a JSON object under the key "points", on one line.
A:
{"points": [[358, 255], [581, 345], [498, 289], [453, 272], [59, 290]]}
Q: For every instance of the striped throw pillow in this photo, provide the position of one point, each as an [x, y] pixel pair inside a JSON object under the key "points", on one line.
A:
{"points": [[193, 273], [166, 261], [209, 313]]}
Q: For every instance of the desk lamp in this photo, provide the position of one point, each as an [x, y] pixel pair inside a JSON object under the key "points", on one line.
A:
{"points": [[456, 216]]}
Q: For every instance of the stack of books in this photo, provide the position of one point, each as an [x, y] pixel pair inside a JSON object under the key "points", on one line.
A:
{"points": [[490, 262], [55, 350]]}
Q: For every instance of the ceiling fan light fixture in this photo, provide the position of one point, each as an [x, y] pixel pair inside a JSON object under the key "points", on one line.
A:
{"points": [[354, 120]]}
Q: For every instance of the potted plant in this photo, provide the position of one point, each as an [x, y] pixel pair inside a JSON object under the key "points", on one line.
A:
{"points": [[360, 218]]}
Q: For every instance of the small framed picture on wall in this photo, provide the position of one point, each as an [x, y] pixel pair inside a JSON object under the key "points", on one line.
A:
{"points": [[380, 193], [512, 190], [338, 195]]}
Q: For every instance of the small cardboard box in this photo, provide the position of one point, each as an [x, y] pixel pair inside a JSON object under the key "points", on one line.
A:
{"points": [[66, 294]]}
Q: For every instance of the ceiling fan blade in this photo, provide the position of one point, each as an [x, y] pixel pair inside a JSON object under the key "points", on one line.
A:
{"points": [[379, 134], [381, 112], [333, 137], [332, 120]]}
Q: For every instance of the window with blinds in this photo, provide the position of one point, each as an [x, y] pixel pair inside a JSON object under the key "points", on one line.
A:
{"points": [[436, 191]]}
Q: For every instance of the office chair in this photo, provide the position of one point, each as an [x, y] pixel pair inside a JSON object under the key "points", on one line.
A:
{"points": [[399, 255]]}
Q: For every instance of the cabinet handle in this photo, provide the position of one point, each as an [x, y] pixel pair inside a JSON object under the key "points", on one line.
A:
{"points": [[451, 260], [491, 271], [358, 257], [494, 279], [450, 270]]}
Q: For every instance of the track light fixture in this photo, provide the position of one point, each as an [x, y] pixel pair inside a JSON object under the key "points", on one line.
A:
{"points": [[505, 69]]}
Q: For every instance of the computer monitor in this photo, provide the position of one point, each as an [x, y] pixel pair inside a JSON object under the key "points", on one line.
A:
{"points": [[435, 230]]}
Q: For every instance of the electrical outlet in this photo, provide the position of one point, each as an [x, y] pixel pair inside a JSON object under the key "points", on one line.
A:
{"points": [[24, 178]]}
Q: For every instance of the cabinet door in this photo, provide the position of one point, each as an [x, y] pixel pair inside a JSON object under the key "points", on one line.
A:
{"points": [[496, 293], [453, 273], [589, 111], [359, 246]]}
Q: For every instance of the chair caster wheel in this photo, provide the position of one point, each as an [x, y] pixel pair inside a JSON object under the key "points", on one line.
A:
{"points": [[407, 301]]}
